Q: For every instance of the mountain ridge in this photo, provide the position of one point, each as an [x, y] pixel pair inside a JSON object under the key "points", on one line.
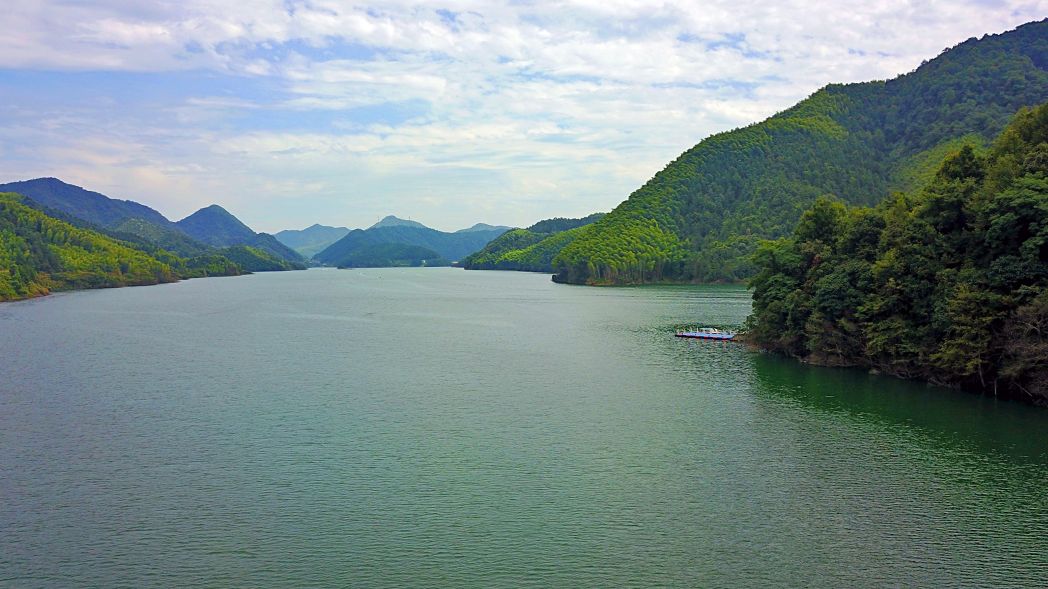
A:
{"points": [[701, 217]]}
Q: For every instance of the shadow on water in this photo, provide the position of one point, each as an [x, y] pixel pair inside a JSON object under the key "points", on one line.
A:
{"points": [[954, 418]]}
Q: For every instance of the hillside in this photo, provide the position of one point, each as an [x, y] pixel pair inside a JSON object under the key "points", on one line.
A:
{"points": [[392, 221], [40, 254], [312, 240], [392, 255], [218, 227], [197, 235], [949, 284], [450, 246], [531, 249], [92, 207], [702, 216]]}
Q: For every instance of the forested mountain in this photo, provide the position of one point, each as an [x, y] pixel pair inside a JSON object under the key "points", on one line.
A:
{"points": [[949, 284], [484, 227], [218, 227], [701, 217], [92, 207], [209, 228], [253, 259], [450, 246], [312, 240], [392, 255], [531, 249], [392, 221], [39, 254]]}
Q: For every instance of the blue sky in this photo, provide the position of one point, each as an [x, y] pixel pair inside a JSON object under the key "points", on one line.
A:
{"points": [[294, 112]]}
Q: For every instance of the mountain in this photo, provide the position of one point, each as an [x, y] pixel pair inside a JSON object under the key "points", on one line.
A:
{"points": [[948, 284], [84, 204], [40, 254], [311, 240], [194, 236], [531, 249], [702, 216], [253, 259], [484, 227], [451, 246], [218, 227], [392, 255], [391, 221]]}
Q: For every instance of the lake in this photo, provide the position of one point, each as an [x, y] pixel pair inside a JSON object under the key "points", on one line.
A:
{"points": [[440, 427]]}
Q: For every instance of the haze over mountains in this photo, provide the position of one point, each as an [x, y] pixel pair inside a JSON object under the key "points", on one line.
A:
{"points": [[391, 230], [313, 240]]}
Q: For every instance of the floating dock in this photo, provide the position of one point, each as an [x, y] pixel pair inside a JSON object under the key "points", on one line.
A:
{"points": [[706, 333]]}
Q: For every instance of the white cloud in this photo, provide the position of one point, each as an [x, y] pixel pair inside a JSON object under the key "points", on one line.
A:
{"points": [[519, 110]]}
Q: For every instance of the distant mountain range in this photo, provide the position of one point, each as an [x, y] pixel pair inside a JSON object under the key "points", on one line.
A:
{"points": [[449, 246], [312, 240], [216, 226], [392, 221], [207, 230], [531, 249], [484, 227]]}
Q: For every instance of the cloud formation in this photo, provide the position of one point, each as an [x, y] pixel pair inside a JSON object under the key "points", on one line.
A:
{"points": [[291, 112]]}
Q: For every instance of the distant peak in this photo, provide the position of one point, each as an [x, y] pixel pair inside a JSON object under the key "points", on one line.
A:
{"points": [[394, 221]]}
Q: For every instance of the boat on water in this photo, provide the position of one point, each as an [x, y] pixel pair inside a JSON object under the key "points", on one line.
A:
{"points": [[706, 333]]}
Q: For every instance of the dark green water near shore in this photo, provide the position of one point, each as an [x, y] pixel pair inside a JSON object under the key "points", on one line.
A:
{"points": [[437, 427]]}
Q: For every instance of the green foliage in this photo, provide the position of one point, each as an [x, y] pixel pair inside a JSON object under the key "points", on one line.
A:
{"points": [[39, 254], [702, 217], [392, 255], [949, 284], [165, 238], [252, 259], [558, 224], [531, 249]]}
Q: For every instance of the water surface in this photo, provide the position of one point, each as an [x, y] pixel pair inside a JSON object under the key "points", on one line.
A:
{"points": [[438, 427]]}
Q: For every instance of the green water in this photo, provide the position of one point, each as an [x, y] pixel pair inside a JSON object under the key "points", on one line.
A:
{"points": [[438, 427]]}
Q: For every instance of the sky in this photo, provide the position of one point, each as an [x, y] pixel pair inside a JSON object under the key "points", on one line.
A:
{"points": [[294, 112]]}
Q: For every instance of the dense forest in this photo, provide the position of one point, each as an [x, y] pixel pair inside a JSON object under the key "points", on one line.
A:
{"points": [[531, 249], [392, 255], [198, 234], [947, 284], [701, 218], [40, 254]]}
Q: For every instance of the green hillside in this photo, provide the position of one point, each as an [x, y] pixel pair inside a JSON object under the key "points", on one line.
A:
{"points": [[392, 255], [253, 259], [40, 254], [450, 246], [949, 284], [531, 249], [701, 217]]}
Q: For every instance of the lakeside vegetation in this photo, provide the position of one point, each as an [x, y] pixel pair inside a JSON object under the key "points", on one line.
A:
{"points": [[40, 254], [948, 284]]}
